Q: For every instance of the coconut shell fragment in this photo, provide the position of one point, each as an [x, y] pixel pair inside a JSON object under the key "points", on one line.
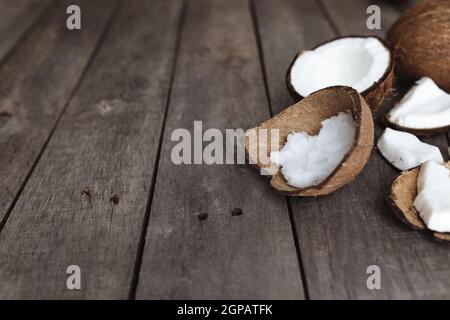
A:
{"points": [[374, 94], [420, 39], [306, 116], [401, 197]]}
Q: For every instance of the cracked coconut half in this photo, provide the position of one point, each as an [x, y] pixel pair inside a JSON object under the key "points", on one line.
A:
{"points": [[325, 141], [363, 63]]}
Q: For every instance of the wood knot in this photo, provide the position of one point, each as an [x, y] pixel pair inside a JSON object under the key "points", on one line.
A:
{"points": [[104, 107]]}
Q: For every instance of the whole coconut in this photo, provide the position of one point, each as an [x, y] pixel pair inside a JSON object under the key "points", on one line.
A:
{"points": [[420, 39]]}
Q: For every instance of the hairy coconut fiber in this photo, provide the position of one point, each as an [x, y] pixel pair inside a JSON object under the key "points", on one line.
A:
{"points": [[420, 39]]}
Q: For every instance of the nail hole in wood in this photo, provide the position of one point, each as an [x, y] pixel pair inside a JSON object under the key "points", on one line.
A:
{"points": [[236, 212], [114, 199], [202, 216], [86, 193]]}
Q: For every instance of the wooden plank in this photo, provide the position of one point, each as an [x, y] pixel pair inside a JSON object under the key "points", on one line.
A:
{"points": [[342, 234], [35, 85], [195, 247], [84, 203], [285, 27], [350, 18], [16, 19]]}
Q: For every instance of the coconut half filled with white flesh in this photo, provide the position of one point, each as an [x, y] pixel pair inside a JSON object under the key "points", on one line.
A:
{"points": [[363, 63], [424, 110], [324, 142], [420, 198]]}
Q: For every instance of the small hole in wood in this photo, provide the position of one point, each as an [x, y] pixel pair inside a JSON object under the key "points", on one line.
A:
{"points": [[114, 199], [4, 118], [202, 216], [236, 212]]}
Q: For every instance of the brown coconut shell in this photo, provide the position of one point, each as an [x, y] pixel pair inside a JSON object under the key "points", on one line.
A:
{"points": [[420, 39], [306, 116], [417, 132], [374, 95], [401, 197]]}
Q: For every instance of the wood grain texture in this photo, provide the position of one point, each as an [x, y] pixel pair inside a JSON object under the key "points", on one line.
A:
{"points": [[285, 27], [342, 234], [195, 246], [16, 19], [35, 86], [85, 201]]}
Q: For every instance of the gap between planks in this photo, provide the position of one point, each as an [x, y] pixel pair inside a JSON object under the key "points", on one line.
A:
{"points": [[145, 224], [189, 262], [255, 22], [366, 231], [128, 83]]}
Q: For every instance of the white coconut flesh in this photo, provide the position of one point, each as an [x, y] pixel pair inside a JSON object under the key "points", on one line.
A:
{"points": [[354, 62], [425, 106], [433, 199], [307, 160], [405, 151]]}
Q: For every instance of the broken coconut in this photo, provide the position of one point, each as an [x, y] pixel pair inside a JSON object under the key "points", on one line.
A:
{"points": [[420, 41], [321, 119], [363, 63], [424, 110], [403, 194], [405, 151]]}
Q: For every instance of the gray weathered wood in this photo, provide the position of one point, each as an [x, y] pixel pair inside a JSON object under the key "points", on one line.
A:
{"points": [[35, 85], [285, 27], [342, 234], [84, 203], [195, 247], [16, 18]]}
